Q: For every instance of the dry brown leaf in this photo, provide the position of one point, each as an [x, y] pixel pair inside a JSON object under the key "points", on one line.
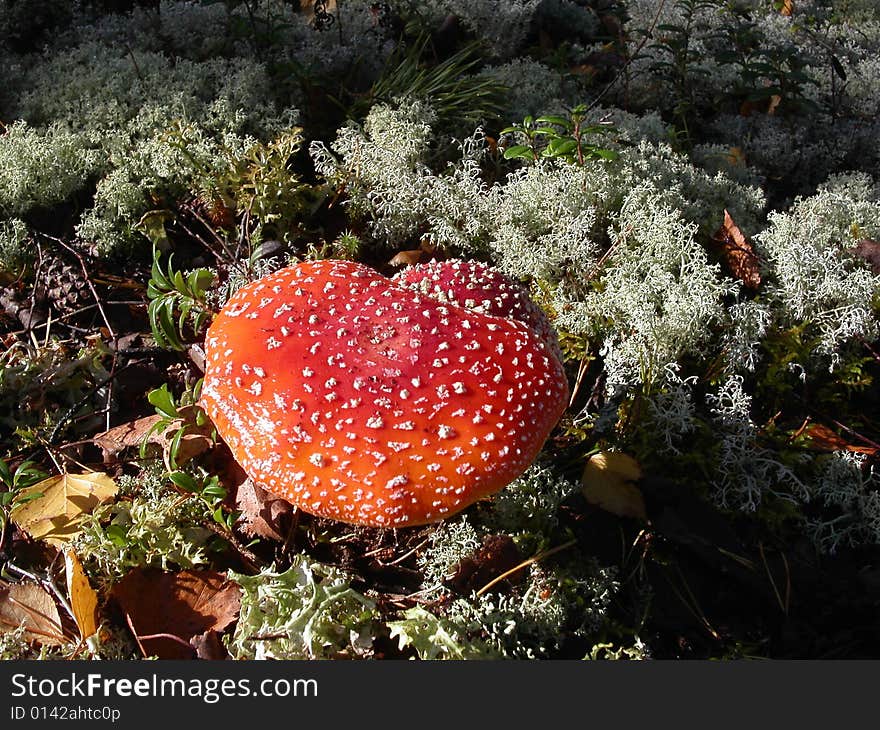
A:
{"points": [[262, 513], [869, 251], [125, 435], [408, 258], [209, 646], [196, 439], [746, 108], [736, 157], [166, 610], [737, 252], [787, 7], [55, 516], [825, 439], [83, 599], [608, 482], [30, 605]]}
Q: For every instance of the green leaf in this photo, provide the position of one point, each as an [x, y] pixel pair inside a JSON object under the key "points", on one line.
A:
{"points": [[561, 147], [518, 151], [152, 225], [184, 481], [605, 154], [117, 534], [548, 131], [163, 401], [214, 490], [560, 121]]}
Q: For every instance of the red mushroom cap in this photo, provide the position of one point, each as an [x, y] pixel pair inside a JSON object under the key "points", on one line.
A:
{"points": [[481, 288], [366, 402]]}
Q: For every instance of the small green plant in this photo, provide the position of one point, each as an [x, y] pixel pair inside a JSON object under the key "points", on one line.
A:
{"points": [[176, 300], [14, 483], [678, 59], [184, 417], [775, 74], [245, 193], [557, 137]]}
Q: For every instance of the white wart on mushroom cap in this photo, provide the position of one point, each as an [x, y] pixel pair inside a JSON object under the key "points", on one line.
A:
{"points": [[367, 402]]}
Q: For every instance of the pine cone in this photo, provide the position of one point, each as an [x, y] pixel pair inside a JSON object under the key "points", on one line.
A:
{"points": [[65, 286]]}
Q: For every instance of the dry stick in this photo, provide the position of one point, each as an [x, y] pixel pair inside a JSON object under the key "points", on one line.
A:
{"points": [[868, 347], [859, 436], [229, 254], [243, 235], [104, 316], [693, 606], [250, 559], [30, 329], [783, 605], [525, 564], [68, 415], [582, 371], [403, 557], [134, 633]]}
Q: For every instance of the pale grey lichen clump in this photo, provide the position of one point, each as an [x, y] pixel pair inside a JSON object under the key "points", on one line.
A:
{"points": [[40, 168], [564, 597], [818, 279], [746, 472], [846, 483], [99, 103], [542, 220], [149, 525], [659, 294]]}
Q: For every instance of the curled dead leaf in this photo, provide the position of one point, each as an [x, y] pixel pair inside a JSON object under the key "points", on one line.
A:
{"points": [[736, 157], [83, 598], [262, 514], [58, 504], [608, 482], [737, 252], [409, 258], [822, 438]]}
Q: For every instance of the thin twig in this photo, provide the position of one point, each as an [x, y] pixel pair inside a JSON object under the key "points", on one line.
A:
{"points": [[525, 564], [783, 605], [632, 57]]}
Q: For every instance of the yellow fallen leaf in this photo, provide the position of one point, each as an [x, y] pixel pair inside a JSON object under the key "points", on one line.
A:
{"points": [[83, 599], [55, 515], [30, 606], [607, 482]]}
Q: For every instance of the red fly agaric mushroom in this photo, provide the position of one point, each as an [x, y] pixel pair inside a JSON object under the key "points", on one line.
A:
{"points": [[481, 288], [361, 400]]}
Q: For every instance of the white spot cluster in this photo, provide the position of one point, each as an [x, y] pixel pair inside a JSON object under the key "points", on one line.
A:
{"points": [[480, 288]]}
